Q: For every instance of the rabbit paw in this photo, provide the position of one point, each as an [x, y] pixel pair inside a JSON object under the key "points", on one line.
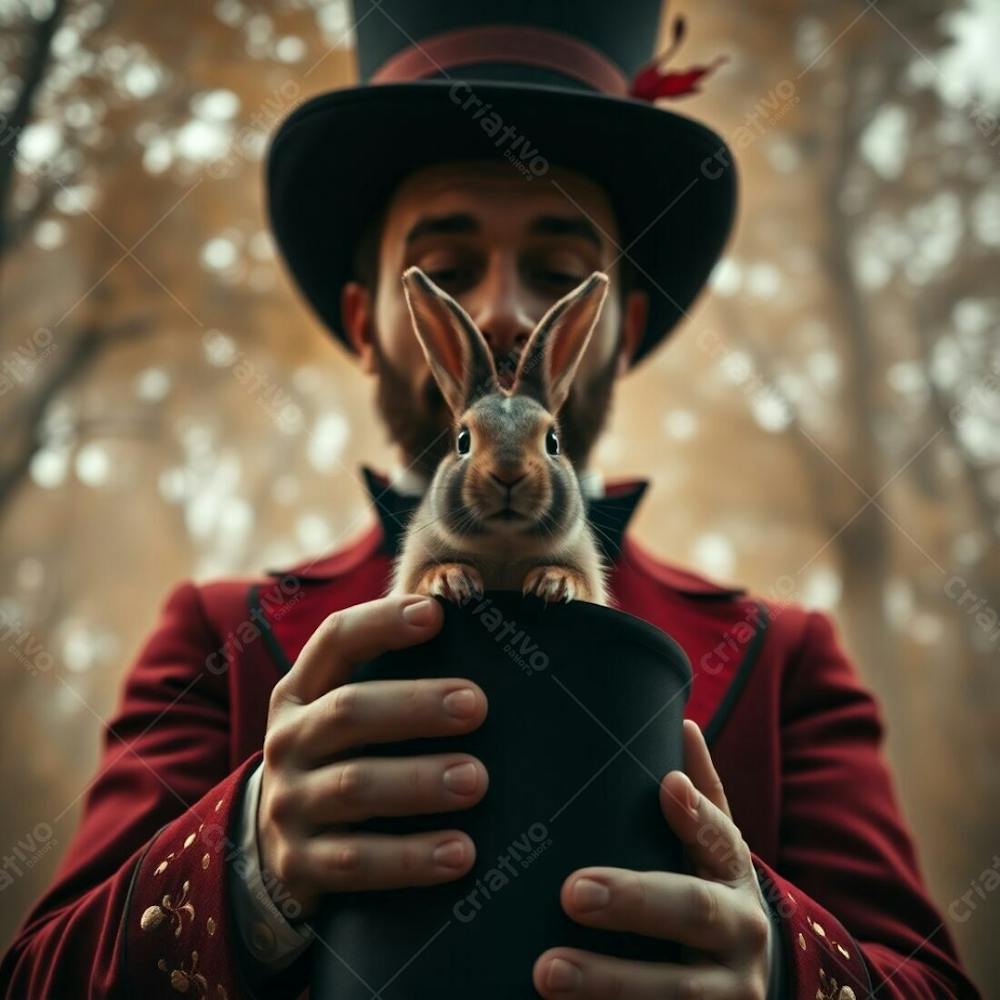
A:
{"points": [[453, 581], [555, 583]]}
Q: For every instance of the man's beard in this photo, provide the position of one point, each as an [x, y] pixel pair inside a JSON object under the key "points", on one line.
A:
{"points": [[420, 422], [585, 413]]}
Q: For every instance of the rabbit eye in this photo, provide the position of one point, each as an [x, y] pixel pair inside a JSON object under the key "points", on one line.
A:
{"points": [[552, 442], [464, 441]]}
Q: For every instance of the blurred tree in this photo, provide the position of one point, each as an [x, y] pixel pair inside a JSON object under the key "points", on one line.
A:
{"points": [[36, 60], [864, 332], [828, 417]]}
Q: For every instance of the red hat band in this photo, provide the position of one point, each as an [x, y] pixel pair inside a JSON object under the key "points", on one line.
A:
{"points": [[516, 44]]}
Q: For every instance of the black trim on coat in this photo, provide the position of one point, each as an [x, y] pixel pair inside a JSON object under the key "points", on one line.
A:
{"points": [[256, 610], [125, 974], [722, 713]]}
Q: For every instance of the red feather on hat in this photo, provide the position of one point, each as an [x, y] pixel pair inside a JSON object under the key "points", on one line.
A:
{"points": [[653, 81]]}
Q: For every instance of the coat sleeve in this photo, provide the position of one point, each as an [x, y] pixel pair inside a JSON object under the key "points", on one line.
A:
{"points": [[140, 905], [847, 889]]}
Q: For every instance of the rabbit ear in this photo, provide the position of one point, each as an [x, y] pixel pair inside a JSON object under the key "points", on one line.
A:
{"points": [[456, 351], [548, 363]]}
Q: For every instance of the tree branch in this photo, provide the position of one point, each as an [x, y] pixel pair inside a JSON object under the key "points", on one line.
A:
{"points": [[33, 75], [80, 355]]}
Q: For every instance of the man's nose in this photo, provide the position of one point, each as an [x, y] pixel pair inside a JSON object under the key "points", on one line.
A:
{"points": [[504, 321]]}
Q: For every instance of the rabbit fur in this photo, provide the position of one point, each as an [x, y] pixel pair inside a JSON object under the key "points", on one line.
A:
{"points": [[504, 509]]}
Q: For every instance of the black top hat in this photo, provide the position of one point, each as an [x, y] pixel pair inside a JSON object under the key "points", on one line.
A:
{"points": [[532, 82]]}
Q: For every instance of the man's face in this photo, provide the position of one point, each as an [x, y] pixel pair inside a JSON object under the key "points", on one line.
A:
{"points": [[506, 249]]}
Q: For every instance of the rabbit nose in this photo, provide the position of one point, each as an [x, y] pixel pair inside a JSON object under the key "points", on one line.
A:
{"points": [[508, 481]]}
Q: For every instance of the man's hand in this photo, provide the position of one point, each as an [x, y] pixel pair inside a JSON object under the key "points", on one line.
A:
{"points": [[718, 912], [308, 798]]}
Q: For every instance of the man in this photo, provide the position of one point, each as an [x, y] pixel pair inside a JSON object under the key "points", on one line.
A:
{"points": [[222, 813]]}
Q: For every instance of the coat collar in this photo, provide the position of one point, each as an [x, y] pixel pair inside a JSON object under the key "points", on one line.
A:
{"points": [[610, 515]]}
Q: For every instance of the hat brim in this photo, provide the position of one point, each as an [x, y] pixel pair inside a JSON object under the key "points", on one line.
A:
{"points": [[336, 159]]}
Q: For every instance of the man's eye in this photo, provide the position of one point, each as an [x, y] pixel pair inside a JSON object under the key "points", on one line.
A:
{"points": [[560, 279], [448, 278], [442, 274]]}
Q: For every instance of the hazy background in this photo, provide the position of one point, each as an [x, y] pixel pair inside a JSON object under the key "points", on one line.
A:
{"points": [[830, 412]]}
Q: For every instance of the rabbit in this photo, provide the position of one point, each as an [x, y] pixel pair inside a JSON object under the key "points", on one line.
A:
{"points": [[504, 509]]}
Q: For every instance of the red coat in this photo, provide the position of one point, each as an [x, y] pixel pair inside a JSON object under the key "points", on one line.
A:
{"points": [[139, 905]]}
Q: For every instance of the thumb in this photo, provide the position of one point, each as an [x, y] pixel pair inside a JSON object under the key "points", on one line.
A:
{"points": [[700, 769]]}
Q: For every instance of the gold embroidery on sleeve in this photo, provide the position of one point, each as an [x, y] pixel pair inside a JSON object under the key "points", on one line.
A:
{"points": [[153, 916], [164, 864], [818, 930], [191, 981], [186, 980], [829, 990], [178, 910]]}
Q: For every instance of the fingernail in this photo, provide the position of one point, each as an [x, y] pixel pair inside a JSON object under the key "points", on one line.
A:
{"points": [[450, 854], [419, 613], [461, 704], [693, 798], [562, 975], [461, 778], [590, 895]]}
